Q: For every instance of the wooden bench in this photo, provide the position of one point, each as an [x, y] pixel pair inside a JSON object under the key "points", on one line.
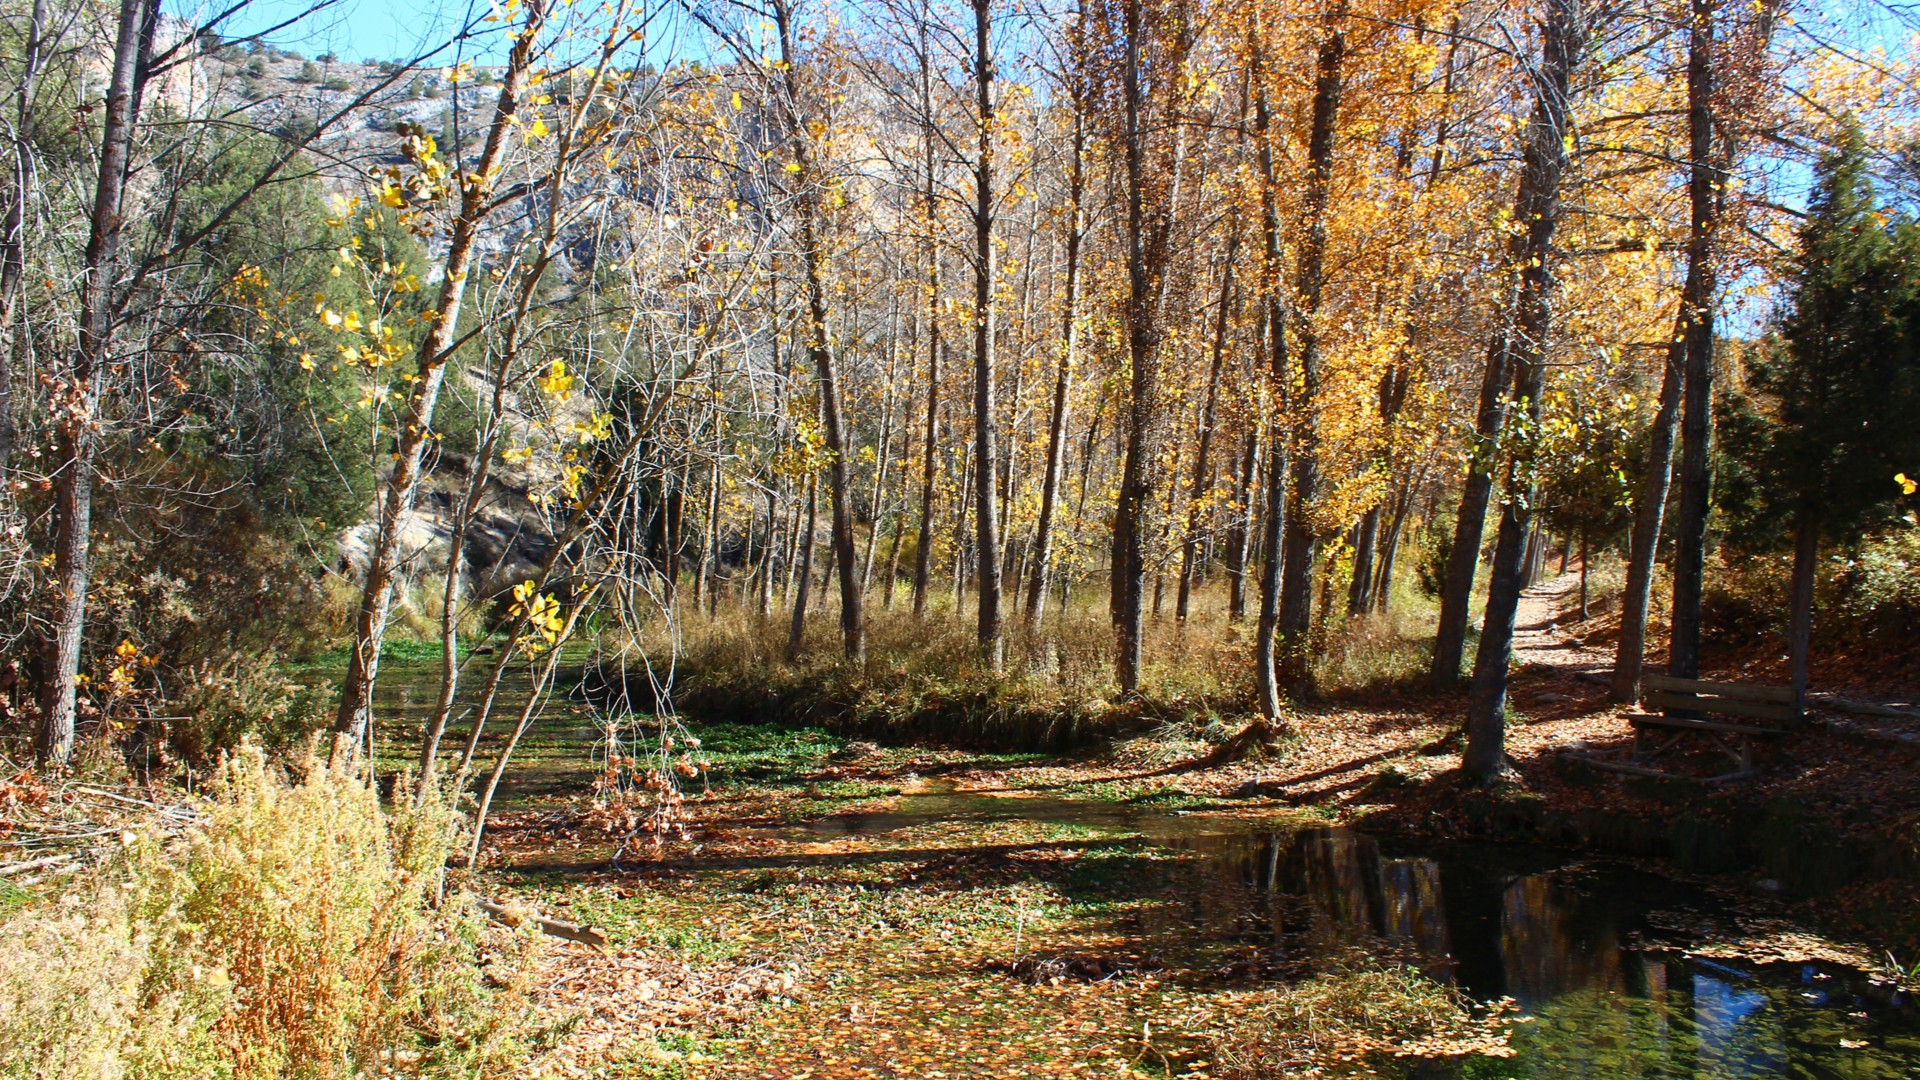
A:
{"points": [[1732, 714]]}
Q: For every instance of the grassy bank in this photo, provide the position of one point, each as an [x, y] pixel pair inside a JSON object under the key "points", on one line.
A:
{"points": [[924, 679]]}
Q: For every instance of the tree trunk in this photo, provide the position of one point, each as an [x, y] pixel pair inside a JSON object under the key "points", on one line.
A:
{"points": [[1161, 549], [1302, 536], [1069, 340], [883, 459], [676, 520], [1806, 561], [355, 712], [1696, 424], [1585, 558], [893, 558], [1536, 552], [1538, 205], [795, 520], [1197, 497], [1265, 662], [1152, 196], [1651, 506], [1240, 524], [923, 558], [74, 434], [796, 632], [986, 454], [704, 585], [478, 471], [13, 229], [814, 256], [1360, 588], [770, 555], [1463, 559], [1390, 550]]}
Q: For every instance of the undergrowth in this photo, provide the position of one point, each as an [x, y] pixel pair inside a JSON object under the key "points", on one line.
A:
{"points": [[925, 678], [289, 931]]}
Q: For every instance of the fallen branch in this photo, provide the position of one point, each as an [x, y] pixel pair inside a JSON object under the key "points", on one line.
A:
{"points": [[585, 935], [11, 869], [1616, 766], [1848, 729], [1864, 708]]}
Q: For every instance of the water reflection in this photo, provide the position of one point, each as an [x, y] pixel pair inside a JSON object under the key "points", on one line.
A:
{"points": [[1561, 940]]}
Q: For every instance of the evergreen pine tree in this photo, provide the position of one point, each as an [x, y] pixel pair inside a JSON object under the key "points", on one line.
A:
{"points": [[1841, 376]]}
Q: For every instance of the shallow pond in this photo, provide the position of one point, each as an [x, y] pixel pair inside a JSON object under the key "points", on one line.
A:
{"points": [[1586, 949]]}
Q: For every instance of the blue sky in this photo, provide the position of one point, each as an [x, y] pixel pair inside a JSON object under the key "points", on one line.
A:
{"points": [[355, 29], [391, 29]]}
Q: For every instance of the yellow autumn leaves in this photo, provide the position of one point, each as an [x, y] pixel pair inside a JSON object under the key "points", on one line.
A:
{"points": [[545, 623]]}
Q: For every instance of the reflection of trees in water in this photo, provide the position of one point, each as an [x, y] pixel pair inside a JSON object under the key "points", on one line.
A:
{"points": [[1324, 890], [1413, 909], [1554, 940], [1339, 875], [1602, 1008]]}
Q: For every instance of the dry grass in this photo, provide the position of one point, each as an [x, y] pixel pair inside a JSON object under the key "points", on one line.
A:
{"points": [[925, 677], [288, 930]]}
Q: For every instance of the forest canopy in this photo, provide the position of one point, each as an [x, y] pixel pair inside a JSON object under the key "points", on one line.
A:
{"points": [[1114, 315]]}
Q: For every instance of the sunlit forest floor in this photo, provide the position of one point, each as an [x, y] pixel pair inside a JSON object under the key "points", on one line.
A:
{"points": [[842, 908]]}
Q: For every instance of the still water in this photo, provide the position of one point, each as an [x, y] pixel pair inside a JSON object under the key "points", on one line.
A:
{"points": [[1578, 946]]}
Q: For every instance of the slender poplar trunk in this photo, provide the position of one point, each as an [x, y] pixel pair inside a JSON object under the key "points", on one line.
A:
{"points": [[1538, 205], [770, 554], [1469, 526], [1302, 538], [814, 257], [704, 587], [804, 572], [1266, 631], [1069, 341], [415, 431], [1197, 497], [1360, 588], [883, 459], [1239, 525], [893, 558], [923, 557], [985, 419], [1152, 194], [1650, 507], [1390, 550], [1696, 423], [1585, 553]]}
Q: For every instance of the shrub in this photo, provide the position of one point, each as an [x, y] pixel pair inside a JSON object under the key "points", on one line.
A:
{"points": [[222, 703], [290, 932], [1867, 595]]}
